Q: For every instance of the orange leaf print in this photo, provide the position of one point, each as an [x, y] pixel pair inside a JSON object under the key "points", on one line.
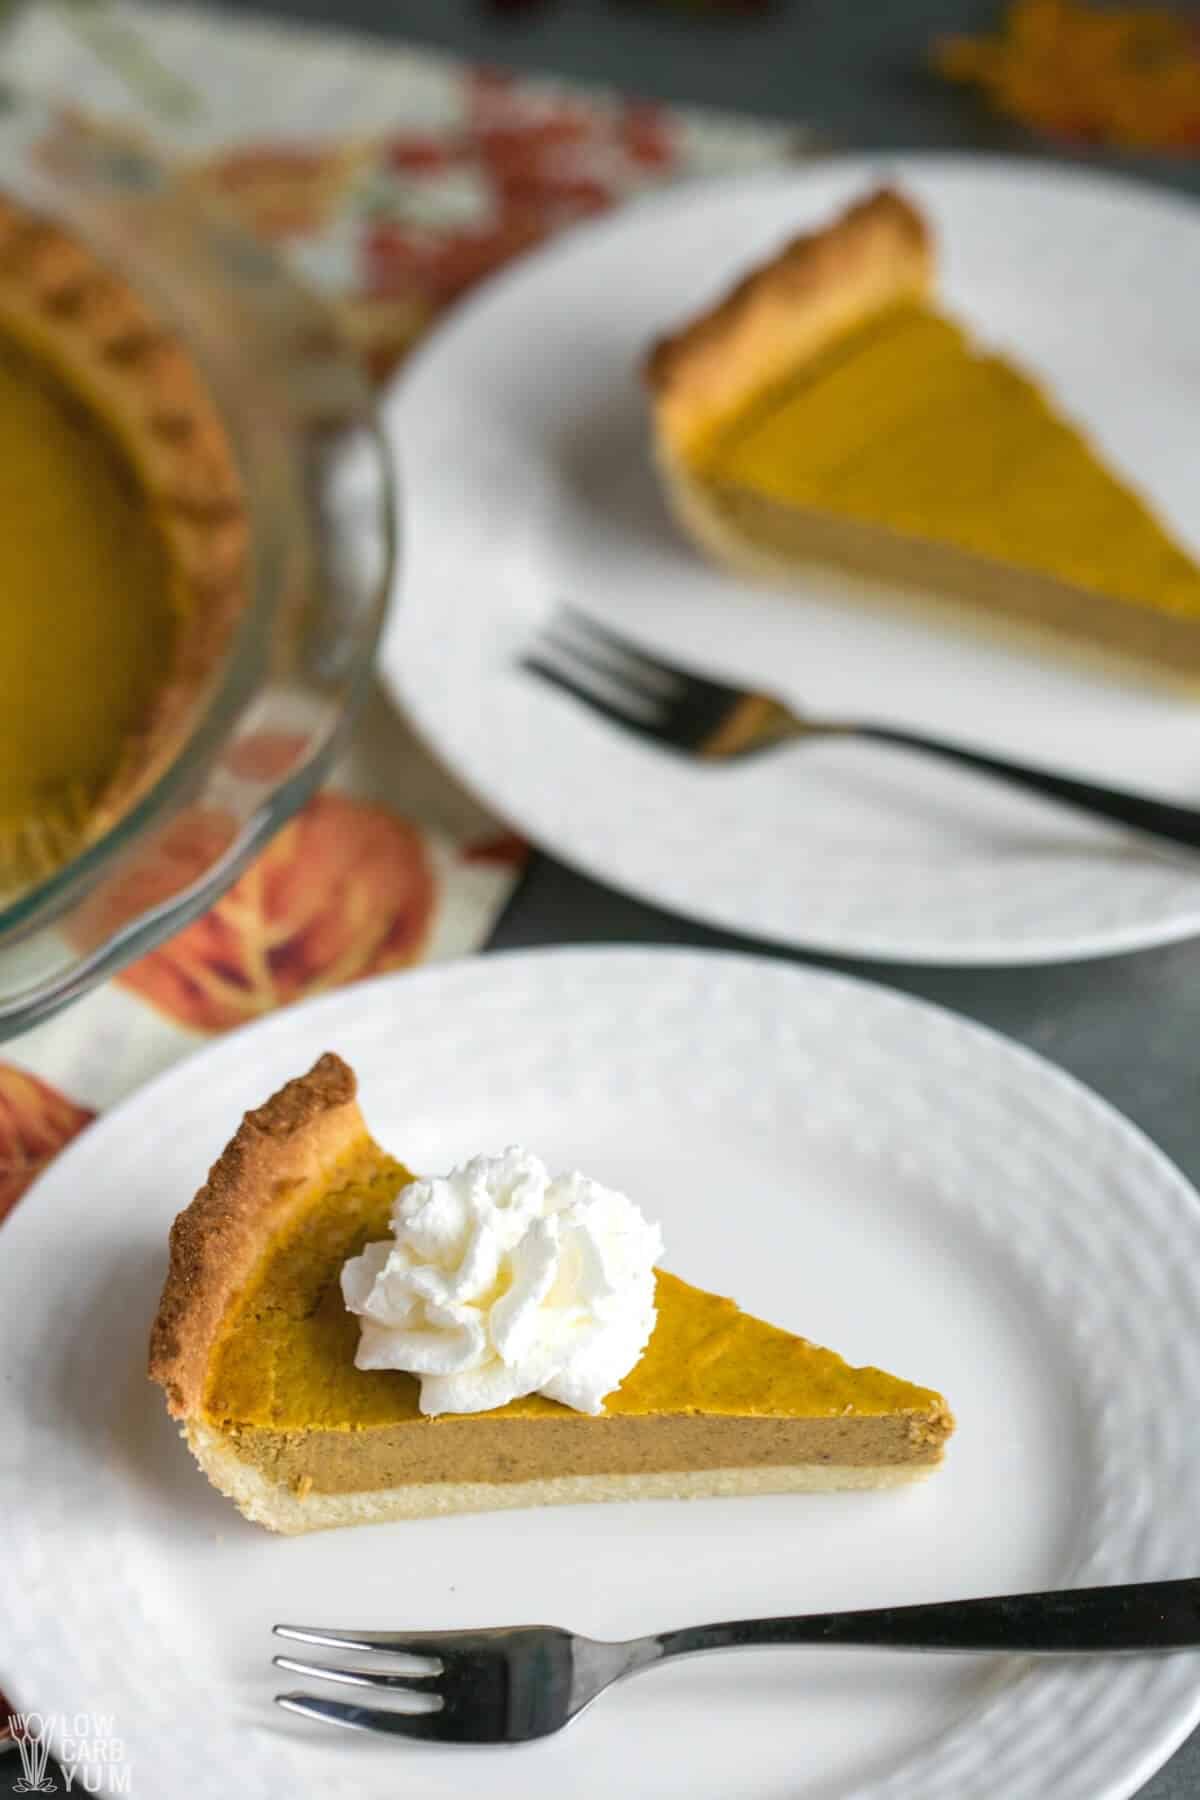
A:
{"points": [[35, 1122], [281, 190], [172, 859], [504, 849], [345, 890]]}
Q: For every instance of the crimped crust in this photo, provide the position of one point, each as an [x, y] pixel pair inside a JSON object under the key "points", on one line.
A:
{"points": [[61, 303], [785, 312], [264, 1173]]}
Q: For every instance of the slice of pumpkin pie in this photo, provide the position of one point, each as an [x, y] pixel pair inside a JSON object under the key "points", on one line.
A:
{"points": [[826, 411], [344, 1343]]}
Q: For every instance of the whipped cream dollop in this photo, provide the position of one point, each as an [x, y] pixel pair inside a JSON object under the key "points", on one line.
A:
{"points": [[500, 1280]]}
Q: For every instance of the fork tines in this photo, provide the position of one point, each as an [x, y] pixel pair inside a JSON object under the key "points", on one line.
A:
{"points": [[626, 685], [410, 1703]]}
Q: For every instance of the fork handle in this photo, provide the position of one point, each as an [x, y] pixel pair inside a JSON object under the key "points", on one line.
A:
{"points": [[1179, 824], [1151, 1615]]}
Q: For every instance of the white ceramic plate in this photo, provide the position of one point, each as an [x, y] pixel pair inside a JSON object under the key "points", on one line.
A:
{"points": [[872, 1172], [522, 433]]}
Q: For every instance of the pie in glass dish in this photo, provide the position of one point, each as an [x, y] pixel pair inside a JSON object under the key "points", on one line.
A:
{"points": [[122, 543]]}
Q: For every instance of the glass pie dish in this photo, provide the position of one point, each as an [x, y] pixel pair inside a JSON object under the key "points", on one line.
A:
{"points": [[259, 725]]}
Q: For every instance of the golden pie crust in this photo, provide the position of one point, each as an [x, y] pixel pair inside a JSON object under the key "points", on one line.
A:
{"points": [[783, 314], [309, 1128]]}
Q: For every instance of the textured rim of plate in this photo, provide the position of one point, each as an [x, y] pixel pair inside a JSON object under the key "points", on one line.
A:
{"points": [[422, 708], [1078, 1731]]}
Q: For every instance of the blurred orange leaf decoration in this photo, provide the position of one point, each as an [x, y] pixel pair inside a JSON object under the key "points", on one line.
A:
{"points": [[282, 190], [35, 1122], [1123, 75], [344, 891]]}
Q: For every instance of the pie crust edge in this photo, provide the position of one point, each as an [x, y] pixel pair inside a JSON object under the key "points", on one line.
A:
{"points": [[784, 313], [262, 1176]]}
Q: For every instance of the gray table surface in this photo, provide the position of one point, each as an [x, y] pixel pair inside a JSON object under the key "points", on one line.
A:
{"points": [[1129, 1026]]}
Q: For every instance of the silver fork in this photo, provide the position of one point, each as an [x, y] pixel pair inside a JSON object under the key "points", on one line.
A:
{"points": [[508, 1685], [698, 716]]}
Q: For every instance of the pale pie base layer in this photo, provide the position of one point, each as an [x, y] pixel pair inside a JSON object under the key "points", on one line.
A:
{"points": [[280, 1509], [767, 541]]}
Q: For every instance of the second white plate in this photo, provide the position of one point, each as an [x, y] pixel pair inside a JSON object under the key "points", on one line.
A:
{"points": [[523, 439]]}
